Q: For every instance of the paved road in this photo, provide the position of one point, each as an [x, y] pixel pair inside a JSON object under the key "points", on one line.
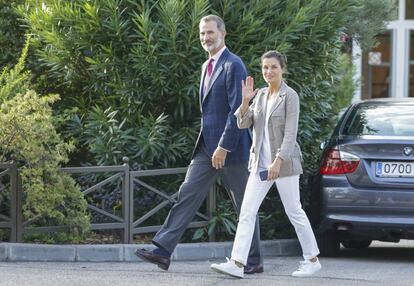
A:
{"points": [[381, 264]]}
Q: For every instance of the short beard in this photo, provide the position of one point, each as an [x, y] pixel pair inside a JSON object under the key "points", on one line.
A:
{"points": [[213, 46]]}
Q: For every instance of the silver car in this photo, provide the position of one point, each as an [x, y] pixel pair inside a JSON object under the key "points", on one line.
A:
{"points": [[365, 187]]}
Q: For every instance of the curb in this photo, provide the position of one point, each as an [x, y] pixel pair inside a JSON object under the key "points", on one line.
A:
{"points": [[125, 252]]}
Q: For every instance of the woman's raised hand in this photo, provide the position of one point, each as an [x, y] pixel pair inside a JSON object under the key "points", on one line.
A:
{"points": [[247, 89]]}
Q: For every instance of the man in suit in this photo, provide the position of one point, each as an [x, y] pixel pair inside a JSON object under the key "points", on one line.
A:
{"points": [[222, 149]]}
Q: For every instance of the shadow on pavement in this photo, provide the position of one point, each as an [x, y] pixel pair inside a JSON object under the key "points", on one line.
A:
{"points": [[380, 251]]}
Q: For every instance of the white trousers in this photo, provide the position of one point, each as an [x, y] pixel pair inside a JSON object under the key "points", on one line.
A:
{"points": [[256, 191]]}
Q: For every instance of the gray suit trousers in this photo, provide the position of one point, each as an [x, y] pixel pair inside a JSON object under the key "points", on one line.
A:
{"points": [[198, 182]]}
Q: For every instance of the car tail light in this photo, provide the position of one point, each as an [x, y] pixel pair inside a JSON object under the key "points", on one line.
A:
{"points": [[337, 162]]}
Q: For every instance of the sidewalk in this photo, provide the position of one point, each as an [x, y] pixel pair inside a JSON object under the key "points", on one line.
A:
{"points": [[125, 252]]}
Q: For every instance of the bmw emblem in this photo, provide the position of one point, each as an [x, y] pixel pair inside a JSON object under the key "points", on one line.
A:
{"points": [[407, 151]]}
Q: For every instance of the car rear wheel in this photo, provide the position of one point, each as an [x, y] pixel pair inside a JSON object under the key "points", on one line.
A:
{"points": [[356, 243], [328, 243]]}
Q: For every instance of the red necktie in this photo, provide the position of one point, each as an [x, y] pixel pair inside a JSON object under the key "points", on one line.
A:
{"points": [[210, 67]]}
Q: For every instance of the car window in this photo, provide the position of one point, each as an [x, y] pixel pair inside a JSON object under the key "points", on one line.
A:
{"points": [[381, 120]]}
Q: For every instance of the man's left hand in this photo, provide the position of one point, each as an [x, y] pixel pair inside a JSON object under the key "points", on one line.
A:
{"points": [[219, 158]]}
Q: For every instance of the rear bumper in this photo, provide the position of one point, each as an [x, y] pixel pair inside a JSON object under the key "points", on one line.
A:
{"points": [[368, 221], [382, 227], [384, 214]]}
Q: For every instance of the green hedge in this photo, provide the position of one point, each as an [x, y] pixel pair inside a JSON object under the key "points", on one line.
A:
{"points": [[128, 71]]}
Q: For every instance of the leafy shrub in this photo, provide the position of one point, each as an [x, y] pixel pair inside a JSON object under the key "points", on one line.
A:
{"points": [[11, 33], [28, 136], [223, 222], [368, 19], [346, 86]]}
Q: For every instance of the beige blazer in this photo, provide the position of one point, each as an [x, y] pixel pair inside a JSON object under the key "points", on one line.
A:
{"points": [[283, 128]]}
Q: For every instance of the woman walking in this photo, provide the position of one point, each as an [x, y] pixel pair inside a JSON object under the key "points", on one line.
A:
{"points": [[275, 157]]}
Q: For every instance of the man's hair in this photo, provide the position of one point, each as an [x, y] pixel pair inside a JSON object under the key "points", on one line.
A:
{"points": [[220, 23], [278, 56]]}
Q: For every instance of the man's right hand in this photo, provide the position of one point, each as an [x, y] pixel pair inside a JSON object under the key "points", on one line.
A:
{"points": [[219, 158]]}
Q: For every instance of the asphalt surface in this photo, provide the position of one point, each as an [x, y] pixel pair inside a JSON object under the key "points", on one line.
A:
{"points": [[381, 264]]}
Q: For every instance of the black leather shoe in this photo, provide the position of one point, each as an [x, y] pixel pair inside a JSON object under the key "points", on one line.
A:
{"points": [[253, 268], [162, 262]]}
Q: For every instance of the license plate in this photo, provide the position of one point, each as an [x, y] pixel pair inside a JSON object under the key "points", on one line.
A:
{"points": [[394, 169]]}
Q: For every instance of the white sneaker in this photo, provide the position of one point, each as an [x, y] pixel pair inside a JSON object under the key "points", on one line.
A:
{"points": [[307, 268], [229, 268]]}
